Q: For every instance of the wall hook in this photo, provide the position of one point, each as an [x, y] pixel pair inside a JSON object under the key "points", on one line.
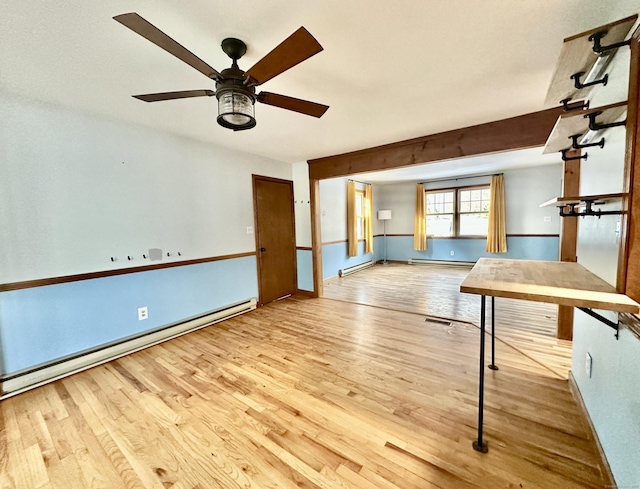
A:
{"points": [[129, 257], [113, 259]]}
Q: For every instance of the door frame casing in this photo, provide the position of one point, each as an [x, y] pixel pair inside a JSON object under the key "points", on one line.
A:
{"points": [[256, 233]]}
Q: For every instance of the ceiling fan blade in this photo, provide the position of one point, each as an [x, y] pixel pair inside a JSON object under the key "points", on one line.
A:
{"points": [[157, 97], [140, 26], [294, 49], [290, 103]]}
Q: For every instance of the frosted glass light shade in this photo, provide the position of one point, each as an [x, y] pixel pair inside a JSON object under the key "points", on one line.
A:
{"points": [[384, 215], [235, 110]]}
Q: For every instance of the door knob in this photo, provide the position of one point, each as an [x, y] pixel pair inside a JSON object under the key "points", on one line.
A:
{"points": [[263, 249]]}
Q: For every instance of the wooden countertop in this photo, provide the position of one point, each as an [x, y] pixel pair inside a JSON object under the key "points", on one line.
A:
{"points": [[556, 282]]}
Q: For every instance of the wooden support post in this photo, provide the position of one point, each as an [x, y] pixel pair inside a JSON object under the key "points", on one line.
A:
{"points": [[316, 236], [568, 238]]}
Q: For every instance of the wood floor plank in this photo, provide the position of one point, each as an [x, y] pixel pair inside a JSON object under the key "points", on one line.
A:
{"points": [[434, 290], [311, 393]]}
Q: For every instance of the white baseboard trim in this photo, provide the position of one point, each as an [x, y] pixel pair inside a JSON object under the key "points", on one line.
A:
{"points": [[21, 382]]}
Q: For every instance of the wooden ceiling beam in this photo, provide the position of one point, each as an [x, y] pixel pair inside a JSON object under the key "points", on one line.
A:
{"points": [[525, 131]]}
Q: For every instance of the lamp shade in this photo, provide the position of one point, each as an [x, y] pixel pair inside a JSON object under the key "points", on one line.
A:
{"points": [[384, 215]]}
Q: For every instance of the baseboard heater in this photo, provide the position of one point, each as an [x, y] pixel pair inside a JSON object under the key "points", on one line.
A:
{"points": [[418, 261], [348, 271], [34, 377]]}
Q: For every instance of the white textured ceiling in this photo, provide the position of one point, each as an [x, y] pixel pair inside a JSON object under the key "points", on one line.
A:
{"points": [[389, 70]]}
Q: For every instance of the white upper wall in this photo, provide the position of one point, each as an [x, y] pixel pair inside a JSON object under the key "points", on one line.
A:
{"points": [[77, 190], [525, 190], [302, 203], [333, 209], [603, 173]]}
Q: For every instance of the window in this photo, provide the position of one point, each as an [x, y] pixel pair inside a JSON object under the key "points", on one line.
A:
{"points": [[458, 212], [474, 211], [440, 213], [360, 213]]}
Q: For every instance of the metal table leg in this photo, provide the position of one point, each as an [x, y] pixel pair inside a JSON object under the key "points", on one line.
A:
{"points": [[478, 445], [493, 365]]}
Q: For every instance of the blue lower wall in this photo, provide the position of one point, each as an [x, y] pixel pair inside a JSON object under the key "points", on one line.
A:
{"points": [[305, 269], [334, 258], [42, 324], [400, 248]]}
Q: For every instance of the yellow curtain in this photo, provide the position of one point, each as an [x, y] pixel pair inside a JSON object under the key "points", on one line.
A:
{"points": [[497, 231], [368, 219], [352, 230], [420, 220]]}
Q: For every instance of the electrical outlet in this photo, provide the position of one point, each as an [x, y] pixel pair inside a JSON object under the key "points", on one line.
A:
{"points": [[143, 313], [587, 365], [249, 229], [453, 252], [547, 219]]}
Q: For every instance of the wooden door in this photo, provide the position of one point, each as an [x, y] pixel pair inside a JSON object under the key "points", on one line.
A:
{"points": [[275, 238]]}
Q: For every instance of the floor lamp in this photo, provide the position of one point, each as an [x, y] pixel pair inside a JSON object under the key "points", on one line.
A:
{"points": [[384, 216]]}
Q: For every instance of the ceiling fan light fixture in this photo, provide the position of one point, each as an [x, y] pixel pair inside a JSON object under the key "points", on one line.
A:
{"points": [[235, 88], [236, 109]]}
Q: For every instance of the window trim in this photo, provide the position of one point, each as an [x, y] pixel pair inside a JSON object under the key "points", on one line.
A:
{"points": [[456, 209]]}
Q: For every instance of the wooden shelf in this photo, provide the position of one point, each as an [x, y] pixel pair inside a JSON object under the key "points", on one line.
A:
{"points": [[577, 122], [577, 56], [604, 198]]}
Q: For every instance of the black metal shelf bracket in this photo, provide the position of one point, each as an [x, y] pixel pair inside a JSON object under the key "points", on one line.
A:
{"points": [[570, 158], [580, 105], [588, 211], [576, 145], [596, 126], [598, 48], [579, 85], [602, 319]]}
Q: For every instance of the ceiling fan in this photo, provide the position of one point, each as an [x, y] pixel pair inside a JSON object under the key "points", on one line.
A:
{"points": [[235, 88]]}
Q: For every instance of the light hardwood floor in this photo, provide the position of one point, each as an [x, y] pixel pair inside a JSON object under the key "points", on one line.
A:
{"points": [[434, 290], [311, 393]]}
